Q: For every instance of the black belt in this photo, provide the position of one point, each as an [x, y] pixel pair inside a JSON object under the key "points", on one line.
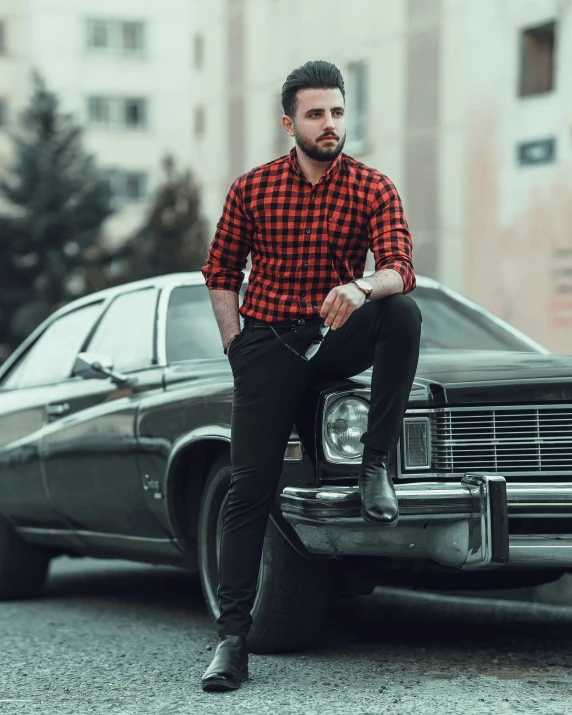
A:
{"points": [[255, 323]]}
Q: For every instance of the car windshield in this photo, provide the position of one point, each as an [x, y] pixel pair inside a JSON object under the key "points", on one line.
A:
{"points": [[192, 331], [449, 324]]}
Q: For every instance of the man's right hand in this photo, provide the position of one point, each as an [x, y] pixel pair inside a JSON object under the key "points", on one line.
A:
{"points": [[229, 341]]}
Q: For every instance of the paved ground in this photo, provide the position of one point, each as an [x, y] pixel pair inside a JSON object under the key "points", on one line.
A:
{"points": [[110, 637]]}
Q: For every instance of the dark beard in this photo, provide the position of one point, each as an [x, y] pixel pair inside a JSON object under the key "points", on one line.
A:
{"points": [[314, 151]]}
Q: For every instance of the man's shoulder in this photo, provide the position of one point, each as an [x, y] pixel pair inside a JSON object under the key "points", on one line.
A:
{"points": [[270, 168], [366, 175]]}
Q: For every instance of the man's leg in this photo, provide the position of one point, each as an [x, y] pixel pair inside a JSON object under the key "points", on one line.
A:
{"points": [[269, 383], [384, 334]]}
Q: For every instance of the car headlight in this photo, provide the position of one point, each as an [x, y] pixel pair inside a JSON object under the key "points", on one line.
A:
{"points": [[345, 420]]}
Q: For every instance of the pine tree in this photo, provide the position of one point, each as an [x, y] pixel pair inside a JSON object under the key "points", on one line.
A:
{"points": [[55, 203], [173, 237]]}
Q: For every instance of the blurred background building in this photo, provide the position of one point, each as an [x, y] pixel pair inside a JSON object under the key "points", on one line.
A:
{"points": [[465, 105], [123, 68]]}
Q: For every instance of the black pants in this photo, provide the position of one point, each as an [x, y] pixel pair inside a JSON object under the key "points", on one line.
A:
{"points": [[269, 381]]}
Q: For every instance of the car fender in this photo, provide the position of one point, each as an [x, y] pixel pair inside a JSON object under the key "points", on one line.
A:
{"points": [[214, 434]]}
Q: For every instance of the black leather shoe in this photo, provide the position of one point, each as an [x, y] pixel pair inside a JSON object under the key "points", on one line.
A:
{"points": [[378, 500], [229, 667]]}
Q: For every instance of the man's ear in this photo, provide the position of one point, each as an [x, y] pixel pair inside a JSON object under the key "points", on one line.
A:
{"points": [[287, 123]]}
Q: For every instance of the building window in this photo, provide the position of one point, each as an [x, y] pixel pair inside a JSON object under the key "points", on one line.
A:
{"points": [[2, 38], [117, 112], [200, 127], [115, 36], [127, 186], [135, 112], [3, 113], [537, 60], [356, 106], [132, 35], [198, 52]]}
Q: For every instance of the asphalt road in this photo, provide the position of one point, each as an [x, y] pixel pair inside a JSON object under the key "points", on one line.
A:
{"points": [[112, 637]]}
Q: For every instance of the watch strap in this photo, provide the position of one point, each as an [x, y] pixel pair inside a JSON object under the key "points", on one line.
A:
{"points": [[363, 290]]}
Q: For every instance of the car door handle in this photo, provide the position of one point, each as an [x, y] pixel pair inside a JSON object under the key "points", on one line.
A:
{"points": [[57, 410]]}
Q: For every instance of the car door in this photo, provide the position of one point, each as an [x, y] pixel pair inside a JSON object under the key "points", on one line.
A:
{"points": [[27, 387], [89, 451]]}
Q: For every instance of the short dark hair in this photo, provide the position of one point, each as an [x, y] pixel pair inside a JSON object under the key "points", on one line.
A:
{"points": [[316, 74]]}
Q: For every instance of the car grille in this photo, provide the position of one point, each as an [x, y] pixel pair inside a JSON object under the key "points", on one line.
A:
{"points": [[505, 440]]}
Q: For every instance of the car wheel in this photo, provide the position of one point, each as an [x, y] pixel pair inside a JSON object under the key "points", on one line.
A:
{"points": [[293, 593], [23, 566]]}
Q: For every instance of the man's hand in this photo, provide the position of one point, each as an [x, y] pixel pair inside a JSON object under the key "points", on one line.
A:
{"points": [[340, 303], [228, 341]]}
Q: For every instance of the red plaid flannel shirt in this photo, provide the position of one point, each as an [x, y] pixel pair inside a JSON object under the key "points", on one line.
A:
{"points": [[304, 240]]}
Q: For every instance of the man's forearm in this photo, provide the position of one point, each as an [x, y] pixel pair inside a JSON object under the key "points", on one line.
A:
{"points": [[225, 307], [385, 282]]}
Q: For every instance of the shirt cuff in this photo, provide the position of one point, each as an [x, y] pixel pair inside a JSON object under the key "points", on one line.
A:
{"points": [[405, 271], [220, 280]]}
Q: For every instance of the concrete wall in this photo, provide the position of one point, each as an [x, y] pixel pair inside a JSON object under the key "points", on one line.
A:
{"points": [[519, 218]]}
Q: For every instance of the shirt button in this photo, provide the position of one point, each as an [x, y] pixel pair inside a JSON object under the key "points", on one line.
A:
{"points": [[308, 230], [303, 296], [313, 196], [305, 263]]}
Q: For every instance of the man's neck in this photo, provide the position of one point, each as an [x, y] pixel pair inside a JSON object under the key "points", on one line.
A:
{"points": [[312, 170]]}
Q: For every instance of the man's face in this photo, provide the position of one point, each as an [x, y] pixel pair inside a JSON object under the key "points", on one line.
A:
{"points": [[319, 127]]}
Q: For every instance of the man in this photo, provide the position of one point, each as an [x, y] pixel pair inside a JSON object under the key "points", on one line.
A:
{"points": [[307, 220]]}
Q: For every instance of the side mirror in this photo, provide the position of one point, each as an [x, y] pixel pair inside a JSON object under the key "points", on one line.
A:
{"points": [[99, 367]]}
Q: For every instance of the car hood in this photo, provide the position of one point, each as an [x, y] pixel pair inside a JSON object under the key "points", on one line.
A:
{"points": [[488, 377]]}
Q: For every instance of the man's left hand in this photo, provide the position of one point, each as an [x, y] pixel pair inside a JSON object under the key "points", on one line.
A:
{"points": [[340, 303]]}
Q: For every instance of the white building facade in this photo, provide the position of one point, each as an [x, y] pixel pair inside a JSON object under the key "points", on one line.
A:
{"points": [[465, 105], [123, 69]]}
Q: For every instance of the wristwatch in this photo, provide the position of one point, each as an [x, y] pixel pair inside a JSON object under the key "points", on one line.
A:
{"points": [[364, 286]]}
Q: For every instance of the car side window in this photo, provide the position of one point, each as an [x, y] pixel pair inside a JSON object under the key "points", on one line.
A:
{"points": [[127, 329], [52, 356], [192, 332]]}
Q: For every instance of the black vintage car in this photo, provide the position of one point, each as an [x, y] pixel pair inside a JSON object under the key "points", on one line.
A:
{"points": [[114, 442]]}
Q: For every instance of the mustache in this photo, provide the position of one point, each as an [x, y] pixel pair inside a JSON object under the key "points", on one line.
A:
{"points": [[324, 136]]}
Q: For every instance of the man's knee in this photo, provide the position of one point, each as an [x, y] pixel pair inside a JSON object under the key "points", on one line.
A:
{"points": [[400, 310]]}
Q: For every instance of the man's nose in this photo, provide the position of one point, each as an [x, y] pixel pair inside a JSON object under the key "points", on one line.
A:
{"points": [[328, 121]]}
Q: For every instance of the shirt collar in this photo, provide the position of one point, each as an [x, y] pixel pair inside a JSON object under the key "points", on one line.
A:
{"points": [[334, 168]]}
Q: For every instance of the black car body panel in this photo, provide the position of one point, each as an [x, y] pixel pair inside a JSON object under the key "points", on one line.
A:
{"points": [[111, 468]]}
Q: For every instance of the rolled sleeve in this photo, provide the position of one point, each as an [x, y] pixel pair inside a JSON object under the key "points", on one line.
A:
{"points": [[229, 249], [388, 234]]}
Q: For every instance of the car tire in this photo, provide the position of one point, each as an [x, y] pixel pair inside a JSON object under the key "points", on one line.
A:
{"points": [[293, 594], [23, 566]]}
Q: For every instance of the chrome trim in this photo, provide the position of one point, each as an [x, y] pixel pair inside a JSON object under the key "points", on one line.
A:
{"points": [[294, 446], [485, 408], [488, 524], [90, 534], [549, 550], [403, 442], [363, 394], [464, 525], [505, 442]]}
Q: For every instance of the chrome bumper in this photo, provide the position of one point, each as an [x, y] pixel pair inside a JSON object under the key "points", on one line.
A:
{"points": [[465, 525]]}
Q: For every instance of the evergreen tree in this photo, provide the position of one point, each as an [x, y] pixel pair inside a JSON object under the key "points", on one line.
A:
{"points": [[55, 204], [173, 237]]}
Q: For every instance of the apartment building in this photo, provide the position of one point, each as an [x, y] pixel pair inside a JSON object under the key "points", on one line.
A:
{"points": [[465, 105], [123, 69]]}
